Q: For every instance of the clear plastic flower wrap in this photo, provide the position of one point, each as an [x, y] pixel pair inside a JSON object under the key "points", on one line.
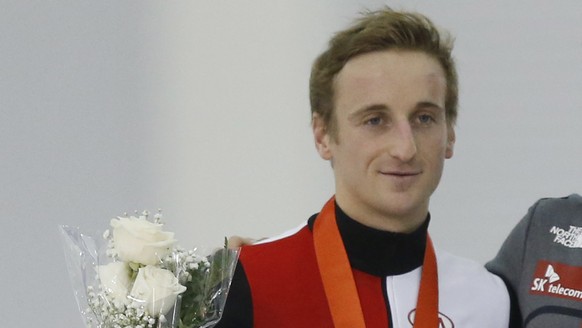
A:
{"points": [[134, 275]]}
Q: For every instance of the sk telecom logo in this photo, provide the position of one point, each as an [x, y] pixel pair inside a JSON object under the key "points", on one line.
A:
{"points": [[556, 279]]}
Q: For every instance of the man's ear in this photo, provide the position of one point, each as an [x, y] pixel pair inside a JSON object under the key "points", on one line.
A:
{"points": [[321, 137], [451, 138]]}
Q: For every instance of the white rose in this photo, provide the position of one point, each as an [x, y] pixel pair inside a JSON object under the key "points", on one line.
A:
{"points": [[116, 279], [156, 289], [140, 241]]}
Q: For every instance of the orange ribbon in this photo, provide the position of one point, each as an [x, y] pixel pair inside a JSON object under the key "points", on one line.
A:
{"points": [[340, 287]]}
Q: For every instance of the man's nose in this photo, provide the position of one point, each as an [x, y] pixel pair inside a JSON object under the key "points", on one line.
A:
{"points": [[403, 142]]}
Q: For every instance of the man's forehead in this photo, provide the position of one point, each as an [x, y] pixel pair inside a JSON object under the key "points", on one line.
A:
{"points": [[397, 61], [391, 74]]}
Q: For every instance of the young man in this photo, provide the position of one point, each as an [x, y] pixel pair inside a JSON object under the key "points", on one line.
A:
{"points": [[384, 104], [541, 262]]}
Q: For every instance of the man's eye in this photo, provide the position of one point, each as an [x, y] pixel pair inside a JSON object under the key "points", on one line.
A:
{"points": [[425, 119], [374, 121]]}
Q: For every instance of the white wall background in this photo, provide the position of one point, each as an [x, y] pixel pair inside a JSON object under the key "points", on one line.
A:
{"points": [[200, 108]]}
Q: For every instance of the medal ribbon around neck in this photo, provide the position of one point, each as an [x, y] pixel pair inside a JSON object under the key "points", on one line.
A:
{"points": [[340, 286]]}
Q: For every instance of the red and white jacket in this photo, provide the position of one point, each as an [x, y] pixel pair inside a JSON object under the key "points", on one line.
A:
{"points": [[277, 282]]}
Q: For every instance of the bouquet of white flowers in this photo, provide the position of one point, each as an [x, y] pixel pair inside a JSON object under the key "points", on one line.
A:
{"points": [[136, 276]]}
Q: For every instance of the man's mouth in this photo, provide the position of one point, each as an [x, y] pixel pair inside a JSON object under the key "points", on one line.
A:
{"points": [[401, 173]]}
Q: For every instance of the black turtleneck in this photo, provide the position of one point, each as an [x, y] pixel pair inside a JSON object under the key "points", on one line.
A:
{"points": [[379, 252]]}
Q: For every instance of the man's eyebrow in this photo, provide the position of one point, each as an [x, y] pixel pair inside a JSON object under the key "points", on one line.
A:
{"points": [[428, 104], [367, 109], [381, 107]]}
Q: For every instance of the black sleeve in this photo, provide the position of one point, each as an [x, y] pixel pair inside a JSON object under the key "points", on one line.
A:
{"points": [[238, 311]]}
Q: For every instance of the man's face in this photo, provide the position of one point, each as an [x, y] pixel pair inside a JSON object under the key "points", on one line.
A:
{"points": [[392, 137]]}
